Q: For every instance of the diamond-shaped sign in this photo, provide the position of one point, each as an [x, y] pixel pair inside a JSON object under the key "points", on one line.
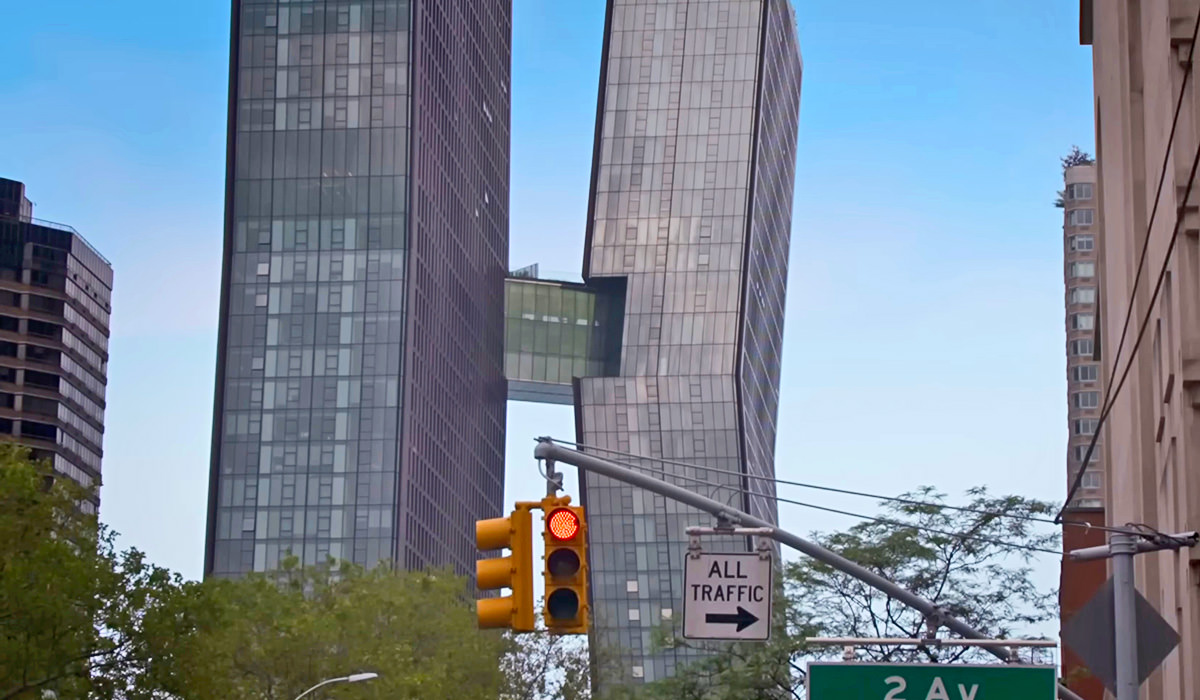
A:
{"points": [[1091, 634]]}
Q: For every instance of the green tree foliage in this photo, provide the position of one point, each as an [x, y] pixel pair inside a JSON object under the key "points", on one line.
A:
{"points": [[77, 617], [271, 637], [1076, 157], [545, 666], [951, 557]]}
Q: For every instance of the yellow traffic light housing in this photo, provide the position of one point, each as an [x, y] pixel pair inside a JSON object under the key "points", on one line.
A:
{"points": [[565, 571], [515, 571]]}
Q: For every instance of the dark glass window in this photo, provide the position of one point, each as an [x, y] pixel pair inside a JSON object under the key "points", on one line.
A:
{"points": [[41, 355], [43, 329], [39, 430], [41, 379], [37, 404], [10, 324], [8, 349], [45, 304]]}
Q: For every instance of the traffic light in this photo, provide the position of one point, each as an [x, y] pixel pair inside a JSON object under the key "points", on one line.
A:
{"points": [[565, 572], [515, 571]]}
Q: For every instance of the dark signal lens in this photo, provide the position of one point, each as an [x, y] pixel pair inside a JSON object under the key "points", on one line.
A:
{"points": [[562, 563], [563, 604]]}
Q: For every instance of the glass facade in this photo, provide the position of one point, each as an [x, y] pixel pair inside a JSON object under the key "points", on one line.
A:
{"points": [[55, 304], [340, 308], [692, 184], [556, 331]]}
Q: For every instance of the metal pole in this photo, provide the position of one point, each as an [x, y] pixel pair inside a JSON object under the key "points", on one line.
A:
{"points": [[550, 451], [1123, 547], [1177, 540]]}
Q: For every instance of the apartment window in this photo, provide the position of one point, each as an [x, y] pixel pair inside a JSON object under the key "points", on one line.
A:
{"points": [[1085, 426], [1083, 269], [1083, 322], [1087, 399], [1083, 242], [1081, 347], [1080, 451], [1090, 503], [1083, 295], [1079, 190], [1080, 217], [1091, 480], [1085, 373]]}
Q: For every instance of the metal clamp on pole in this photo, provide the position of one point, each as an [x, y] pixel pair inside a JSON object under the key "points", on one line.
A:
{"points": [[735, 531], [554, 479]]}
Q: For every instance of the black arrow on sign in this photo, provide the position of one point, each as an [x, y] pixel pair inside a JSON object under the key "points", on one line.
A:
{"points": [[743, 619]]}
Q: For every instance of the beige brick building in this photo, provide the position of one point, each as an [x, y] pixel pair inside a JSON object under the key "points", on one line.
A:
{"points": [[1151, 455]]}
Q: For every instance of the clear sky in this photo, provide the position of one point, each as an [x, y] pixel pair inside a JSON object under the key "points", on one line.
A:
{"points": [[924, 334]]}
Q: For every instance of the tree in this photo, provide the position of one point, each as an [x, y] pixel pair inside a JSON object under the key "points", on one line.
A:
{"points": [[76, 616], [545, 666], [956, 559], [1075, 157], [272, 636]]}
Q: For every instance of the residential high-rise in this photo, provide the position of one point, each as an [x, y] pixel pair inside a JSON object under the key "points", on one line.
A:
{"points": [[1140, 55], [55, 301], [1085, 385], [689, 222], [360, 396], [1079, 581]]}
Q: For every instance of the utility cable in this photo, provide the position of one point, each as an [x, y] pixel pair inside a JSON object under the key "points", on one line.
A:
{"points": [[874, 518], [881, 520], [848, 492], [1109, 395]]}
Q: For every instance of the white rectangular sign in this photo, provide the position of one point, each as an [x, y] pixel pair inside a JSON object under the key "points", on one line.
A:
{"points": [[727, 596]]}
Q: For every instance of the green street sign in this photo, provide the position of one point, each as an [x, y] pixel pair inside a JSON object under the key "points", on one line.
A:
{"points": [[869, 681]]}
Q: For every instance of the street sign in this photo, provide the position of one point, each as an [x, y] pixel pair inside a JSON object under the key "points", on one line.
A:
{"points": [[1091, 633], [727, 596], [869, 681]]}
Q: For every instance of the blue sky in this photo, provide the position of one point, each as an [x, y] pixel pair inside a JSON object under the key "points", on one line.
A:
{"points": [[924, 334]]}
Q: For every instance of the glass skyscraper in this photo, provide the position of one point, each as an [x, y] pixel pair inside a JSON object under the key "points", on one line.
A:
{"points": [[360, 397], [692, 181]]}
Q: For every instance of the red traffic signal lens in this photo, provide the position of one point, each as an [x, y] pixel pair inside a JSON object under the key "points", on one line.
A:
{"points": [[562, 524]]}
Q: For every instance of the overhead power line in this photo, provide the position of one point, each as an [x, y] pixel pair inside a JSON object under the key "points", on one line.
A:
{"points": [[874, 518], [781, 499], [1110, 395], [848, 492]]}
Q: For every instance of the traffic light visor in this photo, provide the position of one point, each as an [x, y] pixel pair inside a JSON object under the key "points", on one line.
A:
{"points": [[562, 524], [495, 533]]}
